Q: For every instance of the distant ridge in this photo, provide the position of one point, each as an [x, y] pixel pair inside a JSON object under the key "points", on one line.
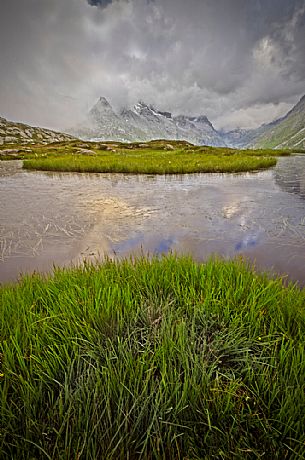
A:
{"points": [[144, 122]]}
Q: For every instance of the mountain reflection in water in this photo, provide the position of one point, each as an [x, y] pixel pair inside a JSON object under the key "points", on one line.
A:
{"points": [[61, 218], [292, 178]]}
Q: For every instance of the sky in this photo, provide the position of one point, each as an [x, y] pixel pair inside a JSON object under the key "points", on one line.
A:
{"points": [[240, 62]]}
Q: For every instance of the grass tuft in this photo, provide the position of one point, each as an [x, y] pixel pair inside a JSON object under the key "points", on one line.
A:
{"points": [[156, 359]]}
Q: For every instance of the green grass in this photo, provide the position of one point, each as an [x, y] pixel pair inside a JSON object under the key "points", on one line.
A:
{"points": [[152, 359], [288, 133], [153, 162], [155, 157]]}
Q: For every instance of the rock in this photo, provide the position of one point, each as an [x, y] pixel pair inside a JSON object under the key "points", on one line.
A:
{"points": [[109, 149], [10, 140], [10, 152], [85, 152], [102, 146], [169, 147]]}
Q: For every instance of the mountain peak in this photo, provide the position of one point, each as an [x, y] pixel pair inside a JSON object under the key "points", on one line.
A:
{"points": [[141, 106], [102, 113], [102, 103], [101, 107], [201, 119]]}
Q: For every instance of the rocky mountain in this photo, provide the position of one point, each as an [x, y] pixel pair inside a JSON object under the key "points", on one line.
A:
{"points": [[103, 123], [142, 123], [201, 130], [19, 133]]}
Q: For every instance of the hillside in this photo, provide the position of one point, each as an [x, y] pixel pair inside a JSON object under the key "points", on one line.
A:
{"points": [[289, 131], [20, 133]]}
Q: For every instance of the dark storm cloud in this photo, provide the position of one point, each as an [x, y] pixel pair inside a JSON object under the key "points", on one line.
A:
{"points": [[241, 63], [101, 3]]}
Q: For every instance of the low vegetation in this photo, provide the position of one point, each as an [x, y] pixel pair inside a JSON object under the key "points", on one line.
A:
{"points": [[152, 359], [155, 157]]}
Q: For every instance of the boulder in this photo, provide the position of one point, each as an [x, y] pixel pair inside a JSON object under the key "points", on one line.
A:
{"points": [[85, 152], [10, 152], [10, 140], [102, 146]]}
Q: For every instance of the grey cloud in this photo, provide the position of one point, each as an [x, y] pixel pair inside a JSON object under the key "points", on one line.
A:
{"points": [[101, 3], [236, 61]]}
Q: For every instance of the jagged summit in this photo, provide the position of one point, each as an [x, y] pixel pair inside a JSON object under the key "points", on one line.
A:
{"points": [[145, 122], [140, 105], [141, 108], [201, 119], [100, 108], [102, 103]]}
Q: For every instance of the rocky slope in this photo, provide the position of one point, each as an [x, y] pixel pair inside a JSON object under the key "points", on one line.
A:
{"points": [[143, 123], [19, 133]]}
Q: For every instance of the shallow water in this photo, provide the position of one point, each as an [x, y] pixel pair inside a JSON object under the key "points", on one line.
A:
{"points": [[49, 218]]}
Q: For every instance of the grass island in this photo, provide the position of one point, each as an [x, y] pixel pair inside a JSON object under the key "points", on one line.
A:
{"points": [[154, 157]]}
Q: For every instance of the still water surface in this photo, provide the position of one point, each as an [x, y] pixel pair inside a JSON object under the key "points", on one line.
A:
{"points": [[60, 218]]}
